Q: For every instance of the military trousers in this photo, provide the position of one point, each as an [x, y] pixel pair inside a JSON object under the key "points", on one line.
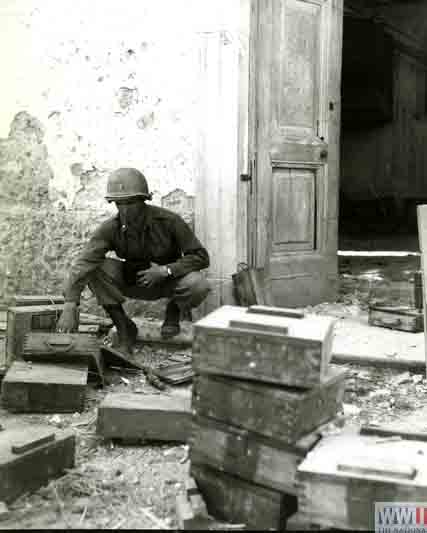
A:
{"points": [[108, 284]]}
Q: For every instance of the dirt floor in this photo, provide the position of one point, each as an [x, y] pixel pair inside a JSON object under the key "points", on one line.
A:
{"points": [[118, 486]]}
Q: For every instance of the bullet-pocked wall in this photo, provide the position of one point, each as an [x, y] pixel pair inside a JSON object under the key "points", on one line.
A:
{"points": [[88, 87]]}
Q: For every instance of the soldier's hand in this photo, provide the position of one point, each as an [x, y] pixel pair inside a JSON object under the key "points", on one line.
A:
{"points": [[69, 319], [153, 275]]}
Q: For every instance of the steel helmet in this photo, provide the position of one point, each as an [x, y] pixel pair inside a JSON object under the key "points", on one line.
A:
{"points": [[126, 183]]}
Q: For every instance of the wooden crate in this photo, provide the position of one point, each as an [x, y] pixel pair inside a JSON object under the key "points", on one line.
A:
{"points": [[343, 476], [144, 417], [70, 348], [44, 388], [234, 500], [397, 317], [281, 413], [247, 455], [30, 456], [275, 348], [21, 320]]}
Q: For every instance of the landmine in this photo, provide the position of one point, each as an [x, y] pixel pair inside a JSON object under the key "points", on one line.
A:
{"points": [[137, 417], [30, 456], [44, 388], [247, 343], [343, 476]]}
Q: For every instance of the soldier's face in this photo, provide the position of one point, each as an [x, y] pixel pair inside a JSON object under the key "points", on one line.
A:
{"points": [[129, 210]]}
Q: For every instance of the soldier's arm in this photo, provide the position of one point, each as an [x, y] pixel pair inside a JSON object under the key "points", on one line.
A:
{"points": [[92, 255], [194, 255]]}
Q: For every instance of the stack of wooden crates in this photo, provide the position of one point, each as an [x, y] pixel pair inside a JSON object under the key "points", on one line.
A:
{"points": [[263, 385]]}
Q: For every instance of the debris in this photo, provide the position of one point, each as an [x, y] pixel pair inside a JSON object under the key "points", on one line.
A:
{"points": [[191, 509], [417, 378], [175, 373], [405, 377], [350, 410], [4, 511], [160, 524]]}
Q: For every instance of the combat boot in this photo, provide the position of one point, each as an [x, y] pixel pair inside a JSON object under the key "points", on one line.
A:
{"points": [[127, 331]]}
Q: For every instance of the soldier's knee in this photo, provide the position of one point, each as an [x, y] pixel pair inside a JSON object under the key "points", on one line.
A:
{"points": [[196, 283]]}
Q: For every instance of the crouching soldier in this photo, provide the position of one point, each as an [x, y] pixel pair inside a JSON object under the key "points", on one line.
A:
{"points": [[161, 259]]}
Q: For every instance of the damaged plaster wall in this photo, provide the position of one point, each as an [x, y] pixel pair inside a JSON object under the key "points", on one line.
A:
{"points": [[92, 86]]}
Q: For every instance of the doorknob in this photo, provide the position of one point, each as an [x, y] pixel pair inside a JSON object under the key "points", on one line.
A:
{"points": [[324, 154]]}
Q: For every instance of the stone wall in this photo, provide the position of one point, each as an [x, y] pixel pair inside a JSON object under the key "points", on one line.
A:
{"points": [[88, 87]]}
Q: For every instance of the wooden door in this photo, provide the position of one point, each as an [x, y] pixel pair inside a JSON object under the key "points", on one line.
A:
{"points": [[296, 147]]}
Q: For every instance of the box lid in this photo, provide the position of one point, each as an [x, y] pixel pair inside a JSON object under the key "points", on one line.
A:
{"points": [[61, 373], [25, 438], [310, 327], [368, 458], [155, 402]]}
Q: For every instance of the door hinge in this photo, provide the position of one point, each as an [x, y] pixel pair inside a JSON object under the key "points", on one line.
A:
{"points": [[248, 176]]}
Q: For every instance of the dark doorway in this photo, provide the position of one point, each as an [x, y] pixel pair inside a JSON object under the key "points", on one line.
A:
{"points": [[384, 135]]}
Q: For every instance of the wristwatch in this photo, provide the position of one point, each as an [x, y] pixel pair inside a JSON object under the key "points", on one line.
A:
{"points": [[169, 271]]}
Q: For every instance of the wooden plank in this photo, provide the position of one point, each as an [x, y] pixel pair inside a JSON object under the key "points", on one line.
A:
{"points": [[281, 413], [44, 388], [422, 236], [29, 470], [300, 359], [147, 417], [398, 318], [232, 499], [247, 455], [383, 431]]}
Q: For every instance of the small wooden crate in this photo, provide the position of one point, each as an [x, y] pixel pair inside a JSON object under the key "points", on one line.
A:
{"points": [[399, 317], [343, 476], [21, 320], [247, 455], [144, 417], [281, 347], [32, 455], [44, 388], [69, 348], [234, 500], [281, 413]]}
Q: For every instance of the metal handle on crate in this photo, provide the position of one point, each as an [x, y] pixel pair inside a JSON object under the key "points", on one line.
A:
{"points": [[275, 311], [376, 467], [60, 343], [258, 328], [389, 321]]}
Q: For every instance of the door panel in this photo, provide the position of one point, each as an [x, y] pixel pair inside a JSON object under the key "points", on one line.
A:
{"points": [[298, 68]]}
